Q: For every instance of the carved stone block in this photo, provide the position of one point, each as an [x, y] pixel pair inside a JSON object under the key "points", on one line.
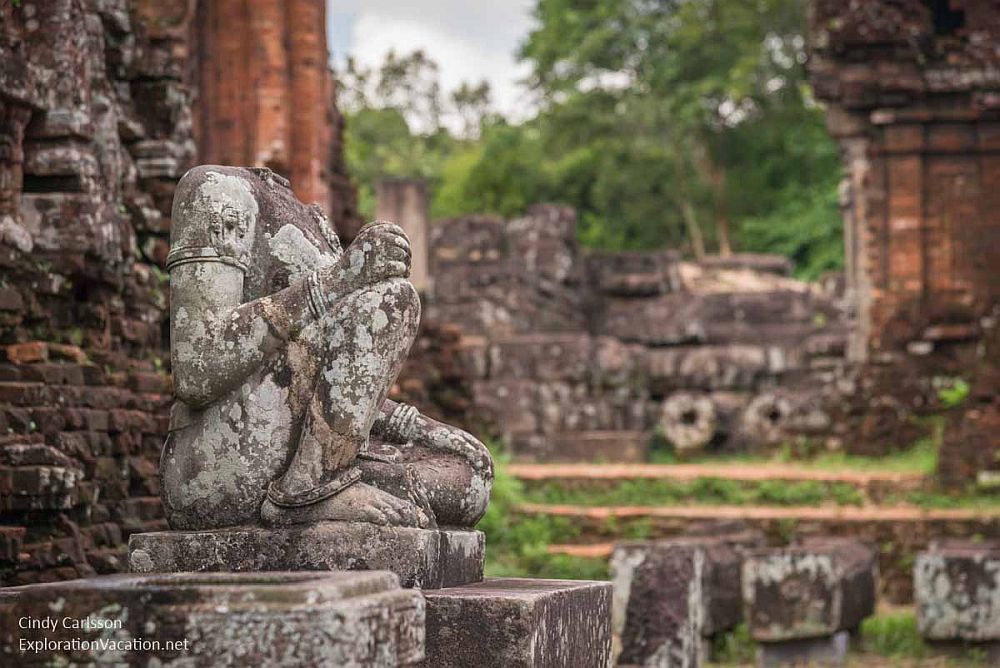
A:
{"points": [[421, 558], [200, 619], [514, 623]]}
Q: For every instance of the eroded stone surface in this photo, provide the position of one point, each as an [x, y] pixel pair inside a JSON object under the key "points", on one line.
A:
{"points": [[828, 651], [665, 615], [810, 590], [718, 605], [514, 623], [957, 591], [422, 558], [232, 619]]}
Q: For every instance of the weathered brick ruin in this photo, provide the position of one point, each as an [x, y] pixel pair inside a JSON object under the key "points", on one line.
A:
{"points": [[96, 127], [582, 355], [913, 90], [571, 355]]}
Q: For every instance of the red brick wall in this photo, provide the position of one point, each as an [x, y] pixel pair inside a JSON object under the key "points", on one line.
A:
{"points": [[913, 95], [99, 105], [265, 97]]}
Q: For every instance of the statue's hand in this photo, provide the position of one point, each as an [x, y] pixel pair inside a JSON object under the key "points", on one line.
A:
{"points": [[380, 252], [436, 436]]}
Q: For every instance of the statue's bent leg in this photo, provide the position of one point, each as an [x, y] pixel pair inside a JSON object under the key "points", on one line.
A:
{"points": [[358, 350]]}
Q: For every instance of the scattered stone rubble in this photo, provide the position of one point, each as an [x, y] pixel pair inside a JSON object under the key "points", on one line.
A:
{"points": [[578, 355]]}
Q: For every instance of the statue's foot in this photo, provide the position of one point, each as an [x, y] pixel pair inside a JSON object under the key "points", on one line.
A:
{"points": [[359, 502]]}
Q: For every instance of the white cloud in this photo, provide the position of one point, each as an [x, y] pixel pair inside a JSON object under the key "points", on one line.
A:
{"points": [[470, 40]]}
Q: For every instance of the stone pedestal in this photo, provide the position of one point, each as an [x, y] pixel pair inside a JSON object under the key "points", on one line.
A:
{"points": [[799, 599], [224, 619], [956, 587], [514, 623], [422, 558]]}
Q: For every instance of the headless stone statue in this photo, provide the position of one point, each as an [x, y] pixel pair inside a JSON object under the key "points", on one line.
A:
{"points": [[284, 347]]}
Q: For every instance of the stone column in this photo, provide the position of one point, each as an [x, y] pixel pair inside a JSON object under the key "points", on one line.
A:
{"points": [[405, 202]]}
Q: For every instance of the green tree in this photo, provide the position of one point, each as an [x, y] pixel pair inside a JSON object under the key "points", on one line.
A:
{"points": [[714, 89], [681, 123]]}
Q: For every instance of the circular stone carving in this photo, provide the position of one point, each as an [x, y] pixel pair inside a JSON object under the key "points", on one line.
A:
{"points": [[765, 418], [689, 421]]}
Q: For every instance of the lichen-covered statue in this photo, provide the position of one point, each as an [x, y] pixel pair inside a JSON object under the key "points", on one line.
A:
{"points": [[284, 347]]}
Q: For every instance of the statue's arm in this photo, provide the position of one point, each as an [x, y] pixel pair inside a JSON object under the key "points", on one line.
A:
{"points": [[216, 341], [402, 423]]}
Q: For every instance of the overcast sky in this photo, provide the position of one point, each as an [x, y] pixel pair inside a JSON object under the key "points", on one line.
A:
{"points": [[470, 40]]}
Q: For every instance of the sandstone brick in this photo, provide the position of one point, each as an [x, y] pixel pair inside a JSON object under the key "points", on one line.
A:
{"points": [[25, 353]]}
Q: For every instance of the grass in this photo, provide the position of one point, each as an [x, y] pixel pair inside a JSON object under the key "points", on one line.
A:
{"points": [[518, 546], [888, 638], [894, 635], [701, 491], [920, 458]]}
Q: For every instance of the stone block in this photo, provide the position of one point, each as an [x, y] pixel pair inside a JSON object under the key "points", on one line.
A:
{"points": [[633, 273], [810, 590], [515, 623], [646, 575], [231, 619], [421, 558], [664, 618], [545, 357], [957, 591]]}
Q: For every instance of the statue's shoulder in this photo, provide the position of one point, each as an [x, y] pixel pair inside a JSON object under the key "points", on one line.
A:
{"points": [[215, 216]]}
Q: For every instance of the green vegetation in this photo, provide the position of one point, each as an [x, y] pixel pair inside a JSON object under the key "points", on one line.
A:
{"points": [[919, 458], [687, 124], [953, 393], [893, 634], [733, 648], [701, 491], [889, 638], [517, 545]]}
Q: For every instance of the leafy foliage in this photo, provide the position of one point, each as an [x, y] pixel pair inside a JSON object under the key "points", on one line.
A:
{"points": [[685, 123]]}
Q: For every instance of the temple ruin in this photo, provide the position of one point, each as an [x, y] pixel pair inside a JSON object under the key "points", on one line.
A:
{"points": [[564, 355]]}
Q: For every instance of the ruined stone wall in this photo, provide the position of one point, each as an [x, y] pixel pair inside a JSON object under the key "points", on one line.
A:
{"points": [[100, 110], [95, 129], [582, 355], [913, 94]]}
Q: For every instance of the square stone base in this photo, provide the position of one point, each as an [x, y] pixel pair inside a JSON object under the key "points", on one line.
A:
{"points": [[224, 620], [422, 558], [515, 623]]}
